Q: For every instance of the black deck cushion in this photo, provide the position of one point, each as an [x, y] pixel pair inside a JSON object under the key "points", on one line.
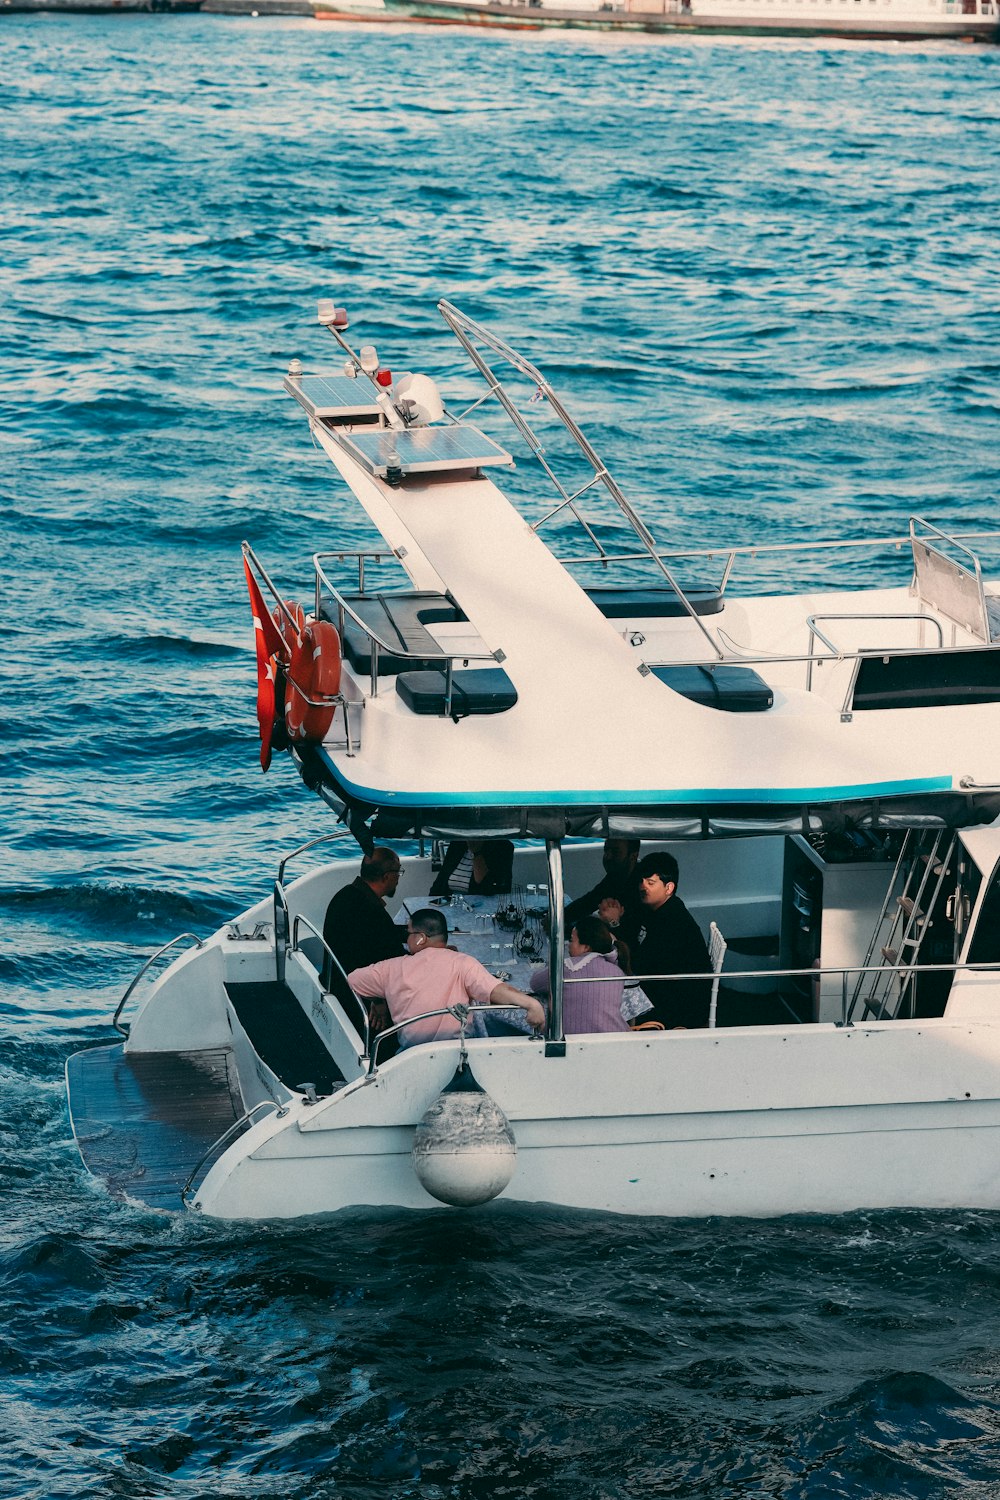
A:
{"points": [[400, 620], [736, 690], [486, 690], [653, 603], [928, 680], [282, 1035]]}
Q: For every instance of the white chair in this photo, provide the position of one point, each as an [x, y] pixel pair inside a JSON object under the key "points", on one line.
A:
{"points": [[716, 951]]}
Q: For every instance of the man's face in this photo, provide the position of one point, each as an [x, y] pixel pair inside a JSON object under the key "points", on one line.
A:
{"points": [[390, 880], [654, 891], [617, 858]]}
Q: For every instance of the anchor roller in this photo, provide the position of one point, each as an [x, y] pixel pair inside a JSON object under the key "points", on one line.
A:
{"points": [[464, 1151]]}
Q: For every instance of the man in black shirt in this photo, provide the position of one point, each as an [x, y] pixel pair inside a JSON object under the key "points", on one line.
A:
{"points": [[358, 928], [671, 943], [616, 898]]}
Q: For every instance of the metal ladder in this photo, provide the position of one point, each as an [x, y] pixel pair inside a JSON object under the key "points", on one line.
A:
{"points": [[899, 931]]}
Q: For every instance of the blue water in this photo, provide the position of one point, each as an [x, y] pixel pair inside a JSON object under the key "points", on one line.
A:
{"points": [[764, 275]]}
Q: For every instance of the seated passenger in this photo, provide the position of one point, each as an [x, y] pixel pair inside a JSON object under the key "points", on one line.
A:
{"points": [[432, 977], [358, 928], [671, 943], [616, 898], [477, 867], [593, 955]]}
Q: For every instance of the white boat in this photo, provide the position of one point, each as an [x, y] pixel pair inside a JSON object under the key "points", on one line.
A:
{"points": [[824, 763], [886, 20]]}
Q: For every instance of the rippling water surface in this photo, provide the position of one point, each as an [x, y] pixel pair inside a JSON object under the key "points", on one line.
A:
{"points": [[764, 275]]}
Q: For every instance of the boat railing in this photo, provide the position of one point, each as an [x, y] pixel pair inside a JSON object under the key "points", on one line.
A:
{"points": [[863, 617], [736, 654], [329, 700], [336, 967], [734, 559], [182, 937], [282, 915], [461, 1014], [474, 337], [447, 659], [814, 976], [360, 556], [236, 1128]]}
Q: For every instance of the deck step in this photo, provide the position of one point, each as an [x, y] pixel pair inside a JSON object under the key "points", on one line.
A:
{"points": [[143, 1120], [283, 1036]]}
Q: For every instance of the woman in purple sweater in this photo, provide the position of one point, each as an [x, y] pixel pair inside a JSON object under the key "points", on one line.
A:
{"points": [[592, 956]]}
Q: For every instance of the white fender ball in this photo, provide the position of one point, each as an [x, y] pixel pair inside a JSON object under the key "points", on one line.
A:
{"points": [[464, 1151]]}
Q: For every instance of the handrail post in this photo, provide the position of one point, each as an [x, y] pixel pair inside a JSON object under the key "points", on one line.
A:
{"points": [[809, 663], [449, 685], [280, 931], [555, 1044]]}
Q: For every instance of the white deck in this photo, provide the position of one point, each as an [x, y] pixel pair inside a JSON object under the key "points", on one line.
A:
{"points": [[588, 726]]}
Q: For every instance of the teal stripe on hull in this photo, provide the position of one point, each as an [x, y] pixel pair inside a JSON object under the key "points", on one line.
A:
{"points": [[703, 796]]}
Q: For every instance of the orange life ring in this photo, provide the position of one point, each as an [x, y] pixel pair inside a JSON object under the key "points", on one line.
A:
{"points": [[314, 674], [288, 635]]}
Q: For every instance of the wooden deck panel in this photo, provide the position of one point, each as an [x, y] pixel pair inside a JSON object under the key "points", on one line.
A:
{"points": [[143, 1120]]}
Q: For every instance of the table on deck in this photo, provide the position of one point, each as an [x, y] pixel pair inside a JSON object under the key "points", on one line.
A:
{"points": [[473, 929]]}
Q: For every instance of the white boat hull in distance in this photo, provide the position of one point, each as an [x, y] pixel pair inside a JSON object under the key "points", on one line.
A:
{"points": [[888, 20]]}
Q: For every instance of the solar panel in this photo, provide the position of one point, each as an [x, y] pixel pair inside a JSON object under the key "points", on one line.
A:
{"points": [[333, 396], [424, 450]]}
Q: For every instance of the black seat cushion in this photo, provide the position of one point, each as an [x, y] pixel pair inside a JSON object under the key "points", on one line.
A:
{"points": [[736, 690], [653, 603], [400, 620], [486, 690]]}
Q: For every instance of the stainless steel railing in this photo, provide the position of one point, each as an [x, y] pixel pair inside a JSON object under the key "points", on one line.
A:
{"points": [[280, 898], [447, 659], [336, 967], [181, 937], [236, 1128]]}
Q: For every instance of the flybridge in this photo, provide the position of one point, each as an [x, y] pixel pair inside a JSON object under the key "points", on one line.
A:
{"points": [[494, 685]]}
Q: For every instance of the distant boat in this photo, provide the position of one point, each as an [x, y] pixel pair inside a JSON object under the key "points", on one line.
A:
{"points": [[893, 20]]}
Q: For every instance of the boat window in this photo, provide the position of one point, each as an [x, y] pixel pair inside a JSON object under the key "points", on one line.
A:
{"points": [[945, 679], [985, 945]]}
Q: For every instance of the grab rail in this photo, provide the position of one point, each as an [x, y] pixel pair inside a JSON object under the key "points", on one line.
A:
{"points": [[841, 971], [448, 658], [362, 556], [469, 333], [737, 655], [460, 1012], [303, 921], [180, 938], [280, 898], [279, 1111], [816, 634]]}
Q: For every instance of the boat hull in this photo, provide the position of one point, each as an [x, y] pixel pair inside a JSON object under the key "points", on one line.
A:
{"points": [[532, 17], [757, 1121]]}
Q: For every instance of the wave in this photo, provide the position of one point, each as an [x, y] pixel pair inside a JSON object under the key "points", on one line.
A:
{"points": [[116, 902], [157, 647]]}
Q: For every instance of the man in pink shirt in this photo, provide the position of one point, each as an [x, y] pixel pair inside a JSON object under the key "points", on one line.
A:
{"points": [[434, 976]]}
